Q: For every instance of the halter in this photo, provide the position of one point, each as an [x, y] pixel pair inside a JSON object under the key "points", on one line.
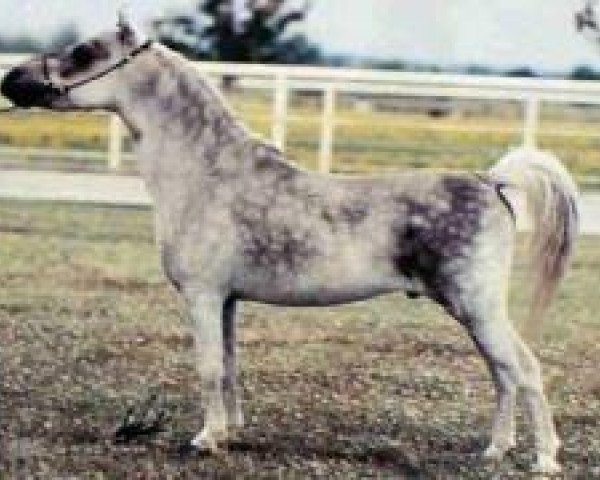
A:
{"points": [[64, 89]]}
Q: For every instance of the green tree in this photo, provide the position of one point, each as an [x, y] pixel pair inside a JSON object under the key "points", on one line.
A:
{"points": [[476, 69], [26, 43], [20, 44], [584, 72], [522, 72], [67, 35], [238, 31]]}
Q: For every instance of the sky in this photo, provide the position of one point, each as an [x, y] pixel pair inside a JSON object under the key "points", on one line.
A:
{"points": [[538, 33]]}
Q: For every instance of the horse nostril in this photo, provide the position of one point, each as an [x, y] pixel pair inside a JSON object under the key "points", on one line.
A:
{"points": [[10, 83], [24, 90]]}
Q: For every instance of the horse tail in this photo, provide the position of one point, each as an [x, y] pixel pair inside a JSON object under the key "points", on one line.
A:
{"points": [[552, 204]]}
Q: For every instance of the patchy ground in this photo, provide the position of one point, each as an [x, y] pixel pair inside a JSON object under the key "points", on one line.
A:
{"points": [[384, 389]]}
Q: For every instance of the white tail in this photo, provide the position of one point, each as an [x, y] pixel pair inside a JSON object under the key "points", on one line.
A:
{"points": [[552, 203]]}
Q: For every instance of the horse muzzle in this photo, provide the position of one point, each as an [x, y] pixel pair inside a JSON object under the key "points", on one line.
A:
{"points": [[23, 90]]}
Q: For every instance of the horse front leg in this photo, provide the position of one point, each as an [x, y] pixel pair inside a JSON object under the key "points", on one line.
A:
{"points": [[230, 384], [207, 311]]}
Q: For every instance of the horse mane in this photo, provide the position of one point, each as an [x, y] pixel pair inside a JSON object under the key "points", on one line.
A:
{"points": [[200, 90]]}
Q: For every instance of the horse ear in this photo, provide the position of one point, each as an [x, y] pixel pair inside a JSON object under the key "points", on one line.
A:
{"points": [[127, 33]]}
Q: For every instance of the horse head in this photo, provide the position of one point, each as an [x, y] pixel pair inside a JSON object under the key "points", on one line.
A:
{"points": [[82, 76]]}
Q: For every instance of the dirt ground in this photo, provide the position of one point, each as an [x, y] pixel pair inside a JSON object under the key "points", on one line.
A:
{"points": [[390, 388]]}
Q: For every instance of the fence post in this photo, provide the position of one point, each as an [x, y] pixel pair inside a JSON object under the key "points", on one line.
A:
{"points": [[115, 143], [532, 114], [327, 129], [280, 106]]}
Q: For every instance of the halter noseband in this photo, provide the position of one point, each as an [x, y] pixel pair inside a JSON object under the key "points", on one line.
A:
{"points": [[64, 89]]}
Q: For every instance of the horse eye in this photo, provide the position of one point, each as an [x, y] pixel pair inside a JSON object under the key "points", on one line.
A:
{"points": [[83, 56]]}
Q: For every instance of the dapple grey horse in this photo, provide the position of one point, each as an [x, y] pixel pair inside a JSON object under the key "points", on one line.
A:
{"points": [[235, 221]]}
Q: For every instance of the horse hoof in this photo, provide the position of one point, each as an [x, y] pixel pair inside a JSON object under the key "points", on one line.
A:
{"points": [[207, 442], [236, 421], [494, 453], [187, 450], [546, 465]]}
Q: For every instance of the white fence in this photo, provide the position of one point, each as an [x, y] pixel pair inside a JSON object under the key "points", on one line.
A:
{"points": [[331, 81]]}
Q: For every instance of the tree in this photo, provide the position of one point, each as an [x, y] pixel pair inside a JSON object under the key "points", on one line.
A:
{"points": [[584, 72], [522, 72], [239, 31], [586, 21], [586, 18], [67, 35], [20, 44], [476, 69]]}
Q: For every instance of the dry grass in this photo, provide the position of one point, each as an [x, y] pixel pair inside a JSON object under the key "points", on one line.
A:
{"points": [[389, 388]]}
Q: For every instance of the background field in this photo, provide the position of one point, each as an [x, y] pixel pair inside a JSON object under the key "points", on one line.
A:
{"points": [[374, 134], [389, 388]]}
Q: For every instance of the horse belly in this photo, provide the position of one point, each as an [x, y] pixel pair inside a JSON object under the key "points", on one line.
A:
{"points": [[304, 292]]}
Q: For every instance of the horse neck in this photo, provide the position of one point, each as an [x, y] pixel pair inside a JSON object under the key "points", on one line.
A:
{"points": [[184, 127]]}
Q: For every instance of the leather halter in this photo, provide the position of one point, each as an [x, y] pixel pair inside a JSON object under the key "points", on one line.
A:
{"points": [[64, 89]]}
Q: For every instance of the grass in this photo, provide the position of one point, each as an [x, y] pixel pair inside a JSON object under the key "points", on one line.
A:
{"points": [[366, 138], [389, 388]]}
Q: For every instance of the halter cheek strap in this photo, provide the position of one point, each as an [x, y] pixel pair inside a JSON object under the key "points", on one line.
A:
{"points": [[64, 89]]}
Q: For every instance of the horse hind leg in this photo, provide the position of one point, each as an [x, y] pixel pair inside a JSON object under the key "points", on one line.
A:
{"points": [[503, 437], [546, 438], [512, 365], [494, 340]]}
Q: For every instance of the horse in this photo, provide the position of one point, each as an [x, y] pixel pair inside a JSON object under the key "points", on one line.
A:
{"points": [[235, 221]]}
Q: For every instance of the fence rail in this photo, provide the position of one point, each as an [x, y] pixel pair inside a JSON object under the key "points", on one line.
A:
{"points": [[329, 82]]}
